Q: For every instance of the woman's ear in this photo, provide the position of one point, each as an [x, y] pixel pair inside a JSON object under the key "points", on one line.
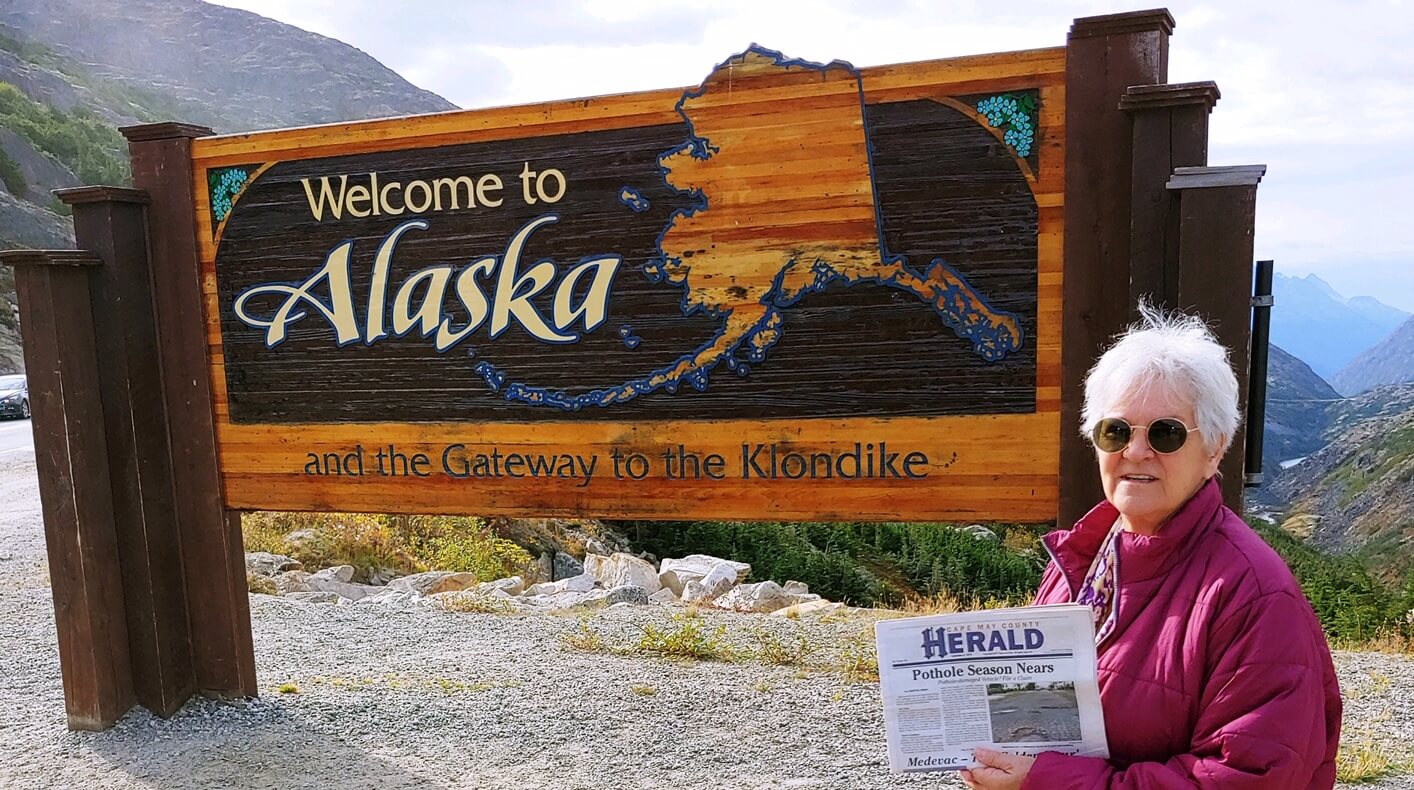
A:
{"points": [[1216, 457]]}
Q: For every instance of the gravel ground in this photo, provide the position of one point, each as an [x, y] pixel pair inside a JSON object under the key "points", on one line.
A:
{"points": [[394, 697]]}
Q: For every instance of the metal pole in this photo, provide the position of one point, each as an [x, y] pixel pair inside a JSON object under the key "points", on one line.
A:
{"points": [[1257, 380]]}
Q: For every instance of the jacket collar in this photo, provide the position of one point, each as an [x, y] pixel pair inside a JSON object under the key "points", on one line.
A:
{"points": [[1143, 557]]}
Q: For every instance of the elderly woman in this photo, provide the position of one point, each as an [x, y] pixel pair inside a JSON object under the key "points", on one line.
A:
{"points": [[1213, 670]]}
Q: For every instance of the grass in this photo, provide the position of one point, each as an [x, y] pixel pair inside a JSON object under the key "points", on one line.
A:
{"points": [[687, 638], [260, 584], [585, 639], [372, 543], [469, 602], [858, 659], [643, 690], [1364, 761], [792, 651], [289, 687]]}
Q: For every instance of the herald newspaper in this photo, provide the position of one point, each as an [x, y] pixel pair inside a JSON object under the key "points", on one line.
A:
{"points": [[1020, 680]]}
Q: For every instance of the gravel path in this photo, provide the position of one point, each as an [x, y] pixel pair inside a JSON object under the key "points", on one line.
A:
{"points": [[395, 697]]}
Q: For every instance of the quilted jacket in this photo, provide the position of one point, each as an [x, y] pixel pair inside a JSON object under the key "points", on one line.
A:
{"points": [[1217, 674]]}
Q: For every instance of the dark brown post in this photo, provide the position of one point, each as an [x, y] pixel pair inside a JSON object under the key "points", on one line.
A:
{"points": [[111, 222], [71, 454], [1170, 131], [217, 601], [1105, 55], [1217, 212]]}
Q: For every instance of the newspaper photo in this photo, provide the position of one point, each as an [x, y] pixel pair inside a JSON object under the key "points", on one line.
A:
{"points": [[1020, 680]]}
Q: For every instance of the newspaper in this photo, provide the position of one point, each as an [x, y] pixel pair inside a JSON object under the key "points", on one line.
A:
{"points": [[1020, 680]]}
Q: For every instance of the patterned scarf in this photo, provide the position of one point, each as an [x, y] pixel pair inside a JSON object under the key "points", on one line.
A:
{"points": [[1101, 586]]}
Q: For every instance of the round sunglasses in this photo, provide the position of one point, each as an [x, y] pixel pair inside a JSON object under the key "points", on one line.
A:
{"points": [[1166, 434]]}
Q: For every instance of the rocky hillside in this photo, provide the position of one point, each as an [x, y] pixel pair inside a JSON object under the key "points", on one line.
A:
{"points": [[1389, 362], [71, 72], [1357, 493], [1297, 400]]}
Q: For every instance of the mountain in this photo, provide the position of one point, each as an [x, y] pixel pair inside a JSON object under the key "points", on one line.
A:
{"points": [[73, 71], [1324, 329], [1391, 361], [1297, 401], [1357, 492]]}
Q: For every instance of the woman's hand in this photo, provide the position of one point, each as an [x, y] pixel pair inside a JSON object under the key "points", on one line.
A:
{"points": [[999, 770]]}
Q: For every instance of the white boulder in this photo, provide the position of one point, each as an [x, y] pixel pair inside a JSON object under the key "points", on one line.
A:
{"points": [[764, 596], [263, 563], [623, 569], [338, 573], [796, 588], [578, 584], [663, 596], [511, 585], [433, 582], [819, 606], [675, 573]]}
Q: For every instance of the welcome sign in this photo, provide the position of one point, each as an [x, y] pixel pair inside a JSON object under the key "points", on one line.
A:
{"points": [[795, 290]]}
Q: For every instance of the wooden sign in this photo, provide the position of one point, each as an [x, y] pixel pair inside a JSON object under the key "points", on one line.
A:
{"points": [[795, 290]]}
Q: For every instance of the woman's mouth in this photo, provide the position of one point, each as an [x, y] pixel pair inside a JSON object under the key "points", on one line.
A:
{"points": [[1138, 478]]}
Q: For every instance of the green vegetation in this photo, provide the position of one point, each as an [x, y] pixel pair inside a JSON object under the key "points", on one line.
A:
{"points": [[370, 543], [863, 564], [1352, 605], [79, 140], [11, 175], [1381, 457], [686, 638]]}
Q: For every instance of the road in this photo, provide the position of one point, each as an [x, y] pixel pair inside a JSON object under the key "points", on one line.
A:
{"points": [[15, 437]]}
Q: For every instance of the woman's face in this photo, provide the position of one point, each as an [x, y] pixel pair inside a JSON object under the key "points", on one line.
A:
{"points": [[1147, 487]]}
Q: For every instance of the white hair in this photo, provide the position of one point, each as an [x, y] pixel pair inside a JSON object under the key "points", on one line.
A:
{"points": [[1174, 353]]}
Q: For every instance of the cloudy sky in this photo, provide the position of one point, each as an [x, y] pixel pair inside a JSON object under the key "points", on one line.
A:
{"points": [[1322, 93]]}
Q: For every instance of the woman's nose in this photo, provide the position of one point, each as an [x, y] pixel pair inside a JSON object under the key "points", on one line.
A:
{"points": [[1138, 446]]}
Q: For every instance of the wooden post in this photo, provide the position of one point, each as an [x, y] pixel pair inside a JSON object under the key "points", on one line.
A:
{"points": [[1105, 55], [217, 601], [1217, 214], [61, 360], [1170, 131], [111, 222]]}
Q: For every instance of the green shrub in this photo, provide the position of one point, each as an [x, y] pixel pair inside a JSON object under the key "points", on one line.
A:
{"points": [[370, 543], [10, 173], [1351, 604], [862, 564], [80, 140]]}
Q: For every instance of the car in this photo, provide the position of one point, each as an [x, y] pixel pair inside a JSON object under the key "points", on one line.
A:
{"points": [[14, 397]]}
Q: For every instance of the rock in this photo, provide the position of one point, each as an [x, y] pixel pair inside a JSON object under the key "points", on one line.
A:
{"points": [[316, 597], [621, 569], [720, 579], [796, 588], [511, 585], [581, 583], [627, 593], [262, 585], [545, 567], [393, 597], [594, 563], [979, 532], [332, 583], [675, 573], [817, 607], [764, 596], [663, 596], [383, 576], [692, 592], [263, 563], [301, 538], [433, 582], [566, 566], [292, 582], [338, 573]]}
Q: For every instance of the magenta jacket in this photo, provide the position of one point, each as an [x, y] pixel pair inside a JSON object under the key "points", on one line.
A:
{"points": [[1217, 674]]}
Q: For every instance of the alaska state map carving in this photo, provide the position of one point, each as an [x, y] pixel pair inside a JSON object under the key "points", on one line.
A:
{"points": [[777, 163]]}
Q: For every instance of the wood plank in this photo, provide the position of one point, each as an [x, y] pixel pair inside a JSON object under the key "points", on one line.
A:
{"points": [[217, 602], [135, 420], [70, 453], [1102, 61]]}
